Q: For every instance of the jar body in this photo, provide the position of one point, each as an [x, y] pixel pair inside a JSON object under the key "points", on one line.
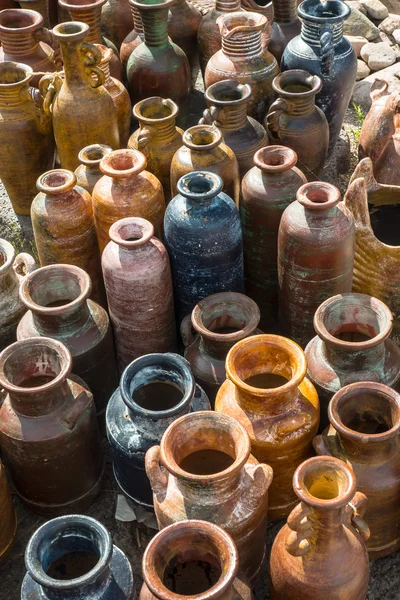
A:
{"points": [[116, 20], [87, 177], [8, 518], [123, 108], [183, 22], [387, 166], [378, 126]]}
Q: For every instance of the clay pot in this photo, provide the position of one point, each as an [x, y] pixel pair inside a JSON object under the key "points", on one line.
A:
{"points": [[266, 390], [157, 138], [209, 474], [244, 135], [13, 269], [116, 20], [243, 58], [137, 277], [203, 238], [271, 36], [352, 344], [183, 22], [364, 432], [158, 67], [387, 166], [40, 6], [81, 550], [295, 112], [192, 559], [313, 556], [215, 325], [26, 136], [315, 256], [286, 18], [63, 226], [154, 391], [47, 427], [88, 173], [267, 189], [56, 298], [82, 109], [8, 518], [134, 38], [126, 190]]}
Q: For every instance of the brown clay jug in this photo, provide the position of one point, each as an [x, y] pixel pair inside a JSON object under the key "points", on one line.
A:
{"points": [[352, 344], [208, 473], [82, 109], [314, 556], [315, 256], [157, 138], [267, 391], [126, 190], [267, 189], [63, 226], [88, 173], [192, 560], [215, 325], [134, 38], [26, 136], [47, 427], [204, 150], [183, 23], [387, 166], [8, 518], [116, 20]]}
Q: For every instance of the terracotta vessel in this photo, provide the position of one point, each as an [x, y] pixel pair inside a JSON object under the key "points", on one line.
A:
{"points": [[157, 138], [208, 473], [137, 276], [194, 559], [315, 256], [294, 121], [82, 109], [88, 173], [13, 269], [154, 391], [47, 427], [352, 344], [25, 40], [267, 189], [63, 226], [73, 556], [203, 238], [272, 36], [56, 299], [126, 190], [26, 136], [40, 6], [116, 20], [8, 518], [322, 50], [313, 556], [378, 125], [158, 67], [183, 23], [286, 18], [228, 102], [134, 38], [387, 166], [242, 57], [204, 150], [267, 391]]}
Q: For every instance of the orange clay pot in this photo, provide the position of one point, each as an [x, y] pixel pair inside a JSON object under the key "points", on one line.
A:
{"points": [[88, 173]]}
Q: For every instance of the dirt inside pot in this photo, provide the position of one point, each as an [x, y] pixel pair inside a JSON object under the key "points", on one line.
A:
{"points": [[191, 577], [266, 380], [72, 565], [158, 395], [206, 462]]}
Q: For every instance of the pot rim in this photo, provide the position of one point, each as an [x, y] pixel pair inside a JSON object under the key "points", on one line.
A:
{"points": [[37, 20], [307, 5], [84, 5], [68, 177], [210, 180], [228, 84], [134, 224], [70, 31], [151, 5], [318, 196], [4, 66], [155, 100], [297, 76], [187, 137], [288, 156], [137, 159], [89, 162]]}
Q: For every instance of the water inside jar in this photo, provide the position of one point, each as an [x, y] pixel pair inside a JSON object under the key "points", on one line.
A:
{"points": [[191, 577], [206, 462], [158, 395]]}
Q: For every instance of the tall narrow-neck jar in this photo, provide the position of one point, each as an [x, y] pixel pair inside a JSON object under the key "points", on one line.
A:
{"points": [[116, 21], [134, 38], [88, 173], [183, 23]]}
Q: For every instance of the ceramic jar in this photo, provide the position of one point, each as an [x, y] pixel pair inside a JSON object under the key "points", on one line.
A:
{"points": [[157, 138], [243, 58], [322, 50], [13, 269], [204, 149], [286, 18], [315, 256], [26, 136], [208, 473], [88, 173], [134, 38], [271, 36], [73, 556], [56, 299], [154, 390], [126, 190], [215, 325], [8, 518], [352, 344], [116, 20], [82, 109], [40, 6], [386, 168], [244, 135], [294, 120], [267, 189], [313, 556], [183, 23], [137, 277], [47, 427], [192, 559], [364, 432], [267, 391], [63, 226], [203, 237]]}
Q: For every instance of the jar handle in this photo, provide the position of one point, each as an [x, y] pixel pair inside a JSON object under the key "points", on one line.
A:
{"points": [[358, 506], [210, 117], [277, 109], [187, 333], [378, 89], [46, 35], [297, 543], [158, 480], [49, 85], [261, 477], [75, 410], [327, 51], [24, 264], [145, 134], [320, 446], [92, 57], [356, 200]]}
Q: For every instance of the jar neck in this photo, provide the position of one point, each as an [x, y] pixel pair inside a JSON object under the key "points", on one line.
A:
{"points": [[104, 65], [215, 349], [88, 591], [155, 27], [326, 525], [17, 43], [40, 403], [311, 32], [243, 44], [162, 130], [368, 452], [64, 324], [74, 66], [342, 359], [225, 488], [92, 17], [153, 428], [8, 278], [232, 117], [271, 402], [137, 20], [227, 6], [285, 11], [300, 106], [14, 95]]}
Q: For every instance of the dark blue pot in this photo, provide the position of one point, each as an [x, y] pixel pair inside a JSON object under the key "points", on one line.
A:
{"points": [[67, 546], [203, 236], [322, 50], [132, 428]]}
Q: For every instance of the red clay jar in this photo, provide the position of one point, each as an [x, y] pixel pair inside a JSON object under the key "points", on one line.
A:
{"points": [[88, 173], [8, 518]]}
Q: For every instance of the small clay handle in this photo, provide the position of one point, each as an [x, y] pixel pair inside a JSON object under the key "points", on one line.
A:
{"points": [[187, 333], [320, 446], [378, 89], [210, 117], [158, 480], [327, 51], [24, 264], [92, 57], [356, 200], [358, 506], [145, 135], [46, 35], [297, 543], [260, 477], [76, 409], [277, 108]]}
